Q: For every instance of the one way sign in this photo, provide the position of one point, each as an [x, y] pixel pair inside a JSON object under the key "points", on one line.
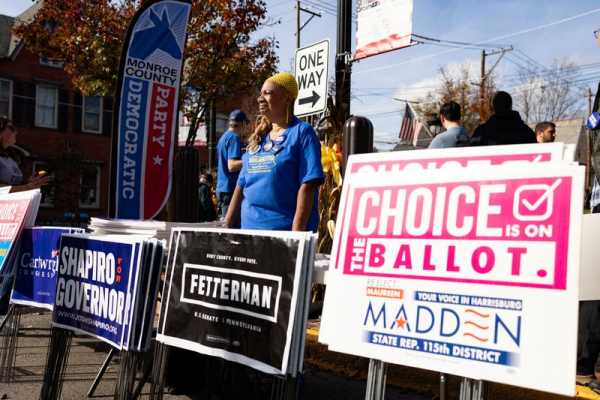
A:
{"points": [[311, 73]]}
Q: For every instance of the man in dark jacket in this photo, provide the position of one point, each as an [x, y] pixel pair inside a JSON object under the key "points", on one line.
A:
{"points": [[207, 207], [505, 126]]}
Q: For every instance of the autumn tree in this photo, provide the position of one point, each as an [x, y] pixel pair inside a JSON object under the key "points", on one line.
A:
{"points": [[548, 94], [460, 87], [221, 58]]}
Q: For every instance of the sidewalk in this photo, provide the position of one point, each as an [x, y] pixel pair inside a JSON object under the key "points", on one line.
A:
{"points": [[87, 356]]}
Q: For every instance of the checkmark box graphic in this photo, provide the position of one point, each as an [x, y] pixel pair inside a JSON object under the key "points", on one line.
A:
{"points": [[534, 202]]}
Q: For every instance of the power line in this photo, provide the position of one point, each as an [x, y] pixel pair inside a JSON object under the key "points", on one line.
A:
{"points": [[502, 37]]}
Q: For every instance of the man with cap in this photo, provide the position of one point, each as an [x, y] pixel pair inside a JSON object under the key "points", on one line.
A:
{"points": [[229, 159]]}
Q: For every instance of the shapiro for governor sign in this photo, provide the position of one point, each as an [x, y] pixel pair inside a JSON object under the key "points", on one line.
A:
{"points": [[233, 294], [148, 97]]}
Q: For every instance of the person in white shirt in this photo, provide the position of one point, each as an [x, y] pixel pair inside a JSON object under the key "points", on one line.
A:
{"points": [[10, 173]]}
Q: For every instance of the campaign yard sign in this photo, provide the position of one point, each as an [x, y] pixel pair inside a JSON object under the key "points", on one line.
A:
{"points": [[95, 286], [17, 210], [233, 294], [409, 163], [37, 265], [13, 210], [472, 272], [149, 79]]}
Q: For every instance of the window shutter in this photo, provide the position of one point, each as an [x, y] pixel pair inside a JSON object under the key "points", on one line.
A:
{"points": [[77, 111], [107, 116]]}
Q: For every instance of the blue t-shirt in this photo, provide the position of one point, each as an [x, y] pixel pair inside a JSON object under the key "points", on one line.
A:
{"points": [[228, 148], [271, 177], [449, 138]]}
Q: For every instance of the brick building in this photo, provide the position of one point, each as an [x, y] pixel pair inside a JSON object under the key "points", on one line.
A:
{"points": [[60, 130]]}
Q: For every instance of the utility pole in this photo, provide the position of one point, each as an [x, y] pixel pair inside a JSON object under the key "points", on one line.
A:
{"points": [[589, 96], [299, 10], [484, 75], [342, 64]]}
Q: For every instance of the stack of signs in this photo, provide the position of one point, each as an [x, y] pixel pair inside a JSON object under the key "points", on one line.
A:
{"points": [[17, 210], [239, 295], [107, 288], [149, 228], [37, 266], [463, 261]]}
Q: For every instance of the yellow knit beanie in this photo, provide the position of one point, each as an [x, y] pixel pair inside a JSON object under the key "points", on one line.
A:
{"points": [[286, 81]]}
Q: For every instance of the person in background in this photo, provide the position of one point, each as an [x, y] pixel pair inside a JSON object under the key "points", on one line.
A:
{"points": [[545, 132], [207, 211], [278, 185], [505, 126], [454, 135], [229, 163], [10, 173]]}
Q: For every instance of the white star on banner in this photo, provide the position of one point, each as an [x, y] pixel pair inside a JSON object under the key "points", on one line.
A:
{"points": [[157, 160]]}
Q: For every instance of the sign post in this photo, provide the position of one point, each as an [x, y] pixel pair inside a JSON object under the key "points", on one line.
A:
{"points": [[311, 70]]}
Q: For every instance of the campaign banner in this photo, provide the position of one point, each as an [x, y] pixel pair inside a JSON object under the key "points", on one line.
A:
{"points": [[37, 266], [473, 274], [383, 25], [95, 287], [149, 78], [233, 294]]}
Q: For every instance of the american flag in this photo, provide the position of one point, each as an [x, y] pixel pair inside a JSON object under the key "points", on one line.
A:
{"points": [[411, 126]]}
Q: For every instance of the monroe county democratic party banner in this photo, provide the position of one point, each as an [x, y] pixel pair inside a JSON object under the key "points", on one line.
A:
{"points": [[472, 272], [37, 266], [149, 79], [95, 286], [232, 294]]}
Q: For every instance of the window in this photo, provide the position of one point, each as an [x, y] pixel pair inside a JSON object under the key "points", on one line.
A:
{"points": [[90, 187], [92, 114], [46, 106], [5, 98], [47, 190], [46, 62]]}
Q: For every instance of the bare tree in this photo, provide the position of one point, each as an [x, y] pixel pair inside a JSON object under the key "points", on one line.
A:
{"points": [[459, 87], [548, 94]]}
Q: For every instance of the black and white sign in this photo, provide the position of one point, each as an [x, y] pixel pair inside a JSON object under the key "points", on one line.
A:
{"points": [[238, 295], [312, 67]]}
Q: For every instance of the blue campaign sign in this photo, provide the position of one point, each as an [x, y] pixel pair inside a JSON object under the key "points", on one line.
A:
{"points": [[93, 289], [148, 88], [37, 264]]}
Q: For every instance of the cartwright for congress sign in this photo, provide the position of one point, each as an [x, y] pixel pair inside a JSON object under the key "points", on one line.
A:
{"points": [[463, 270], [149, 87]]}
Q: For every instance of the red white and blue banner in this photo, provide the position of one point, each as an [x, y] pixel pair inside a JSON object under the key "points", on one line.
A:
{"points": [[149, 78], [383, 25]]}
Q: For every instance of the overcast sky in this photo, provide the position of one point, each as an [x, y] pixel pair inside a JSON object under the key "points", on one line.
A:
{"points": [[548, 32]]}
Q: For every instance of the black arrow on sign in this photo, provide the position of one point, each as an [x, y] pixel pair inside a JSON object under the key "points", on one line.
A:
{"points": [[311, 99]]}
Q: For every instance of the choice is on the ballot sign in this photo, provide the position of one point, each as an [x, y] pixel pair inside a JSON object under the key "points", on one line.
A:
{"points": [[467, 271], [311, 73]]}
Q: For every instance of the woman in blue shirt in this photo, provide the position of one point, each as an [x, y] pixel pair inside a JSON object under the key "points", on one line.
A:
{"points": [[281, 171]]}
